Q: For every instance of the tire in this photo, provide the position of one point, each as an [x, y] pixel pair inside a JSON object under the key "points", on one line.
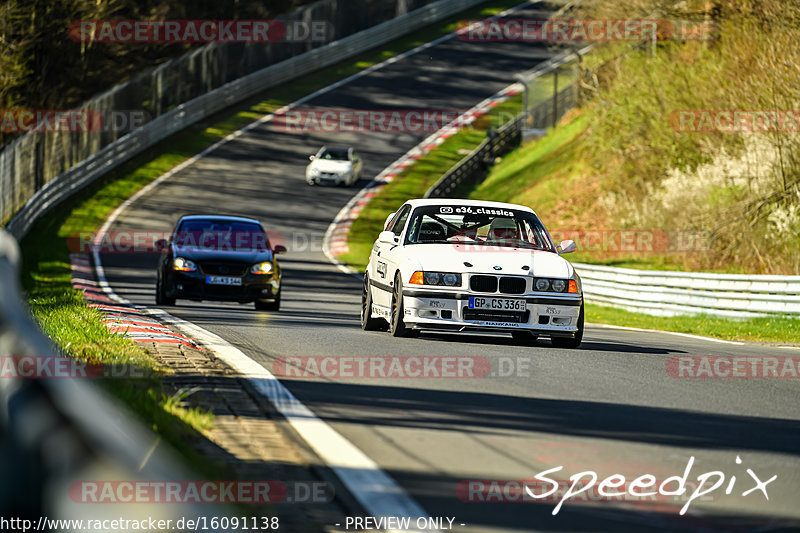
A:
{"points": [[274, 305], [571, 342], [368, 323], [398, 327], [524, 336], [161, 295]]}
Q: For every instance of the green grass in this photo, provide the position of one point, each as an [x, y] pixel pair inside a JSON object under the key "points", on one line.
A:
{"points": [[78, 329], [768, 329], [413, 182]]}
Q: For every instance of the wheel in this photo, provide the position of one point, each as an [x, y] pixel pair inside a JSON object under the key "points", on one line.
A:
{"points": [[367, 322], [161, 294], [571, 342], [398, 326], [274, 305], [524, 336]]}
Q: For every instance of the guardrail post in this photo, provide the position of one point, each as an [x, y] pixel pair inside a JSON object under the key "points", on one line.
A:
{"points": [[555, 97]]}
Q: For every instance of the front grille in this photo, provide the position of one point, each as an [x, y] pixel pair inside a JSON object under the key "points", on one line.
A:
{"points": [[483, 283], [496, 316], [510, 285], [223, 269]]}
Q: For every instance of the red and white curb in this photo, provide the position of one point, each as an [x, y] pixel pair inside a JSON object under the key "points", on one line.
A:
{"points": [[125, 320], [335, 242]]}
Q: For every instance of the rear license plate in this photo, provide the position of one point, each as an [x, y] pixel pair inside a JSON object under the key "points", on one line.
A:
{"points": [[223, 280], [497, 304]]}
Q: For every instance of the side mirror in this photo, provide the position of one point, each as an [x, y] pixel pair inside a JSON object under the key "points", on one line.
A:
{"points": [[387, 237], [567, 247], [279, 249], [161, 245], [390, 217], [312, 157]]}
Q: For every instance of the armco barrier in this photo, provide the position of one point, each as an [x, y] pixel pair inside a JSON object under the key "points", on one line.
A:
{"points": [[539, 116], [55, 433], [665, 293], [184, 115]]}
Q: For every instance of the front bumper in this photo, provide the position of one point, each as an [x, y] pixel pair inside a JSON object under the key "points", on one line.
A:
{"points": [[193, 286], [328, 179], [545, 313]]}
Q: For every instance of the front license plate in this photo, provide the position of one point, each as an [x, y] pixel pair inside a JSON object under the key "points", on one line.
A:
{"points": [[497, 304], [223, 280]]}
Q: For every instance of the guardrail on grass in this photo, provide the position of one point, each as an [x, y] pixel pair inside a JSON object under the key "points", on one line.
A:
{"points": [[544, 103], [58, 433], [665, 293]]}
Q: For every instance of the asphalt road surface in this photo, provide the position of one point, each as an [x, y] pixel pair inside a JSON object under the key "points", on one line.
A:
{"points": [[609, 407]]}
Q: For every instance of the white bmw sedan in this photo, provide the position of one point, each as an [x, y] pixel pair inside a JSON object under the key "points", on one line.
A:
{"points": [[466, 265], [334, 166]]}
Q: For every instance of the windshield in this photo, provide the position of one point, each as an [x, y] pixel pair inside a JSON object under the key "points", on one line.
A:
{"points": [[216, 234], [335, 154], [475, 225]]}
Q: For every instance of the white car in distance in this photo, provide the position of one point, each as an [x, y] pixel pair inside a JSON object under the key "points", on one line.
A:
{"points": [[467, 265], [334, 166]]}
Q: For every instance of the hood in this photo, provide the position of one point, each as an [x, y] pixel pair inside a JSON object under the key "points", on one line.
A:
{"points": [[327, 165], [451, 258], [196, 253]]}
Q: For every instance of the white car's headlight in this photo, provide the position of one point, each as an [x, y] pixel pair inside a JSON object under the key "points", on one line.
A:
{"points": [[313, 171], [555, 285], [184, 265], [448, 279], [262, 268]]}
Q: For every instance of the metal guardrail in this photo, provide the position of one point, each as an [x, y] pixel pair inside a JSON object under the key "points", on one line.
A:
{"points": [[55, 432], [184, 115], [667, 293], [474, 166], [538, 117]]}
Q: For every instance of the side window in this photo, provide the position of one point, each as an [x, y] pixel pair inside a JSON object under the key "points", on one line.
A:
{"points": [[399, 221]]}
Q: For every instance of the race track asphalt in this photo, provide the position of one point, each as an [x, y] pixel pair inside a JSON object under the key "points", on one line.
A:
{"points": [[609, 407]]}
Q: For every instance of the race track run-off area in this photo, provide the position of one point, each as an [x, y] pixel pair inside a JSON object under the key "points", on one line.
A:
{"points": [[456, 443]]}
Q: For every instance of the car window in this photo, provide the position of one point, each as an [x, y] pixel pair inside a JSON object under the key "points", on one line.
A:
{"points": [[399, 221], [218, 234], [478, 226], [335, 154]]}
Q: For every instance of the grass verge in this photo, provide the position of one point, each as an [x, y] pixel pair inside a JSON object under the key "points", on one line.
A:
{"points": [[78, 329], [768, 329]]}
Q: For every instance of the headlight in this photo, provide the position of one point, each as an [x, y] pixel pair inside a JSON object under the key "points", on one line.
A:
{"points": [[556, 285], [184, 265], [436, 278], [313, 171], [262, 268]]}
